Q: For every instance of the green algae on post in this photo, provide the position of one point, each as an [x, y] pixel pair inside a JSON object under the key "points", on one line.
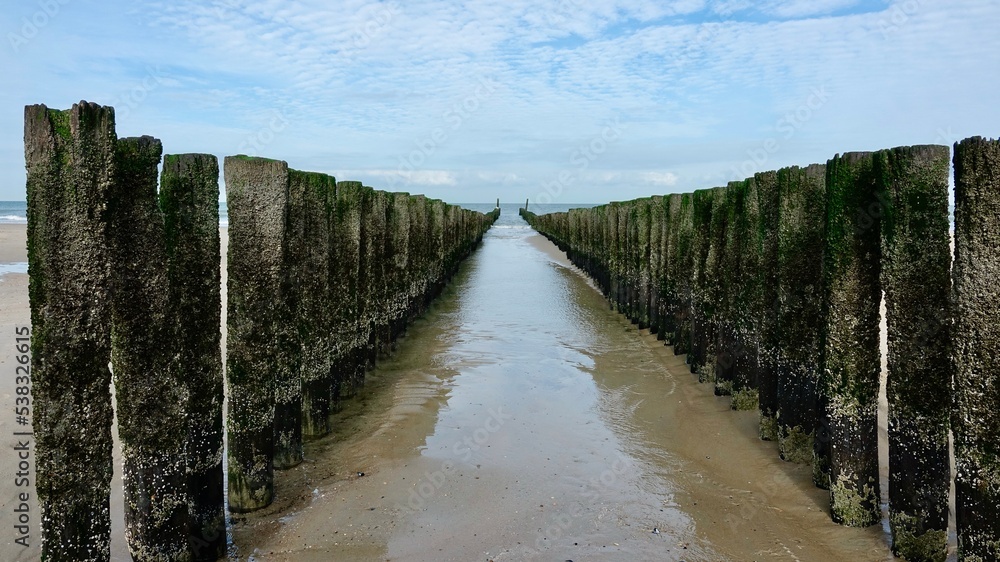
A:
{"points": [[849, 383], [701, 312], [801, 226], [70, 161], [257, 193], [976, 348], [150, 391], [767, 357], [189, 195], [916, 277], [308, 262]]}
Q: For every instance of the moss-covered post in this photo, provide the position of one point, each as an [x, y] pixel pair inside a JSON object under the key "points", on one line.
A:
{"points": [[701, 311], [308, 260], [681, 274], [398, 266], [801, 230], [916, 277], [747, 296], [418, 262], [732, 353], [721, 277], [976, 348], [643, 252], [189, 197], [257, 193], [438, 231], [349, 353], [70, 161], [768, 198], [657, 213], [385, 270], [150, 393], [611, 253], [849, 383], [370, 244], [288, 349]]}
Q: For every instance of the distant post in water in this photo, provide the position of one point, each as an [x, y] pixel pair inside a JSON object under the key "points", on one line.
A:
{"points": [[189, 198], [257, 193], [976, 348], [70, 161]]}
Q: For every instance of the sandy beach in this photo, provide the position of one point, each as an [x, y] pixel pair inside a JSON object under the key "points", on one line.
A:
{"points": [[733, 496]]}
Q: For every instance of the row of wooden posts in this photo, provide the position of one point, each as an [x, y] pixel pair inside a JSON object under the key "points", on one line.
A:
{"points": [[772, 287], [323, 276]]}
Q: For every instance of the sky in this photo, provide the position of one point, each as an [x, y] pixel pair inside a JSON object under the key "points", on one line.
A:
{"points": [[562, 101]]}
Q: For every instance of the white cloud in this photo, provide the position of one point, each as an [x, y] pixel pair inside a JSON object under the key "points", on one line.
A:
{"points": [[659, 179]]}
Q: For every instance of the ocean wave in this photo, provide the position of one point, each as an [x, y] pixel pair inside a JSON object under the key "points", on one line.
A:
{"points": [[13, 219]]}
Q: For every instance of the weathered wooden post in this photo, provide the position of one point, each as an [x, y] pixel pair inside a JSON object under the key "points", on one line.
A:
{"points": [[418, 237], [669, 282], [916, 277], [800, 262], [682, 270], [657, 212], [730, 354], [768, 199], [747, 303], [849, 383], [719, 281], [308, 260], [976, 348], [150, 393], [398, 268], [643, 257], [611, 254], [701, 321], [257, 193], [189, 198], [70, 161], [288, 349], [346, 294]]}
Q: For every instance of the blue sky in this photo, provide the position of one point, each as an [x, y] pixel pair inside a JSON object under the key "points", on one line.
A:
{"points": [[567, 101]]}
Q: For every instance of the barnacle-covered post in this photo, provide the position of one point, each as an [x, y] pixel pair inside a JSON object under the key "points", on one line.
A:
{"points": [[849, 382], [976, 348], [257, 193], [189, 198], [70, 161]]}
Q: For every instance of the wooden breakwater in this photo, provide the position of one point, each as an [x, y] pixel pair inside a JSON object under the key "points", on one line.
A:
{"points": [[323, 277], [772, 287]]}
